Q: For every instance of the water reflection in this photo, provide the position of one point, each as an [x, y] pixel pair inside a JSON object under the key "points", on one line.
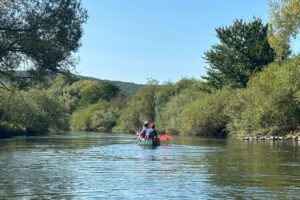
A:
{"points": [[255, 169], [108, 166]]}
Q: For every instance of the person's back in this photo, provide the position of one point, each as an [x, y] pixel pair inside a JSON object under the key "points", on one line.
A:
{"points": [[151, 133], [144, 130]]}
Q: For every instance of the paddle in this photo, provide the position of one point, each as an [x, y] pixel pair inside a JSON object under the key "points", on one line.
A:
{"points": [[165, 137], [132, 132]]}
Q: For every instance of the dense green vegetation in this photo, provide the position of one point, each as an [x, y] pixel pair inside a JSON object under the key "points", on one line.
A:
{"points": [[271, 103], [252, 87], [42, 34], [125, 87], [33, 111], [243, 51], [283, 26], [79, 105]]}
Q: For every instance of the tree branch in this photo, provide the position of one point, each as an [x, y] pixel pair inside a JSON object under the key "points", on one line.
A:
{"points": [[4, 29]]}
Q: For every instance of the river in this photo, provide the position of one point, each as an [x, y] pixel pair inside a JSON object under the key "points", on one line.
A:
{"points": [[82, 165]]}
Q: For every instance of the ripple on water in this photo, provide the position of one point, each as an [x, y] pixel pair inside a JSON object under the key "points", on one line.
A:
{"points": [[87, 166]]}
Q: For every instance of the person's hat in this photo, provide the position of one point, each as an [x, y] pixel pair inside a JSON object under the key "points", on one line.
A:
{"points": [[146, 123]]}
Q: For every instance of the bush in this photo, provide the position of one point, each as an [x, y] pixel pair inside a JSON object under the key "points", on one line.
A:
{"points": [[206, 116], [169, 117], [271, 103], [141, 107], [242, 120], [101, 116], [10, 130], [35, 110], [85, 92]]}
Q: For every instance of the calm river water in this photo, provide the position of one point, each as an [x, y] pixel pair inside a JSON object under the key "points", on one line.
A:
{"points": [[109, 166]]}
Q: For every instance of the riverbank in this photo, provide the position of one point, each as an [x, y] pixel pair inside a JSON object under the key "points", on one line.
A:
{"points": [[8, 130], [289, 137]]}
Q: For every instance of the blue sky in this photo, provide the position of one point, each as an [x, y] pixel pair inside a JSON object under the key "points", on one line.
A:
{"points": [[134, 40]]}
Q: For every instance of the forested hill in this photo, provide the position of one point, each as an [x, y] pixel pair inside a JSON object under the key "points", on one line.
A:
{"points": [[126, 87]]}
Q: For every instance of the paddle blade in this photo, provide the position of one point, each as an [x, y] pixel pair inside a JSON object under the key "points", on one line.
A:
{"points": [[165, 137], [132, 132]]}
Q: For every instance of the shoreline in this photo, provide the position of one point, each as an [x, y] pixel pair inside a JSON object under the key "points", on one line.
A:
{"points": [[294, 138]]}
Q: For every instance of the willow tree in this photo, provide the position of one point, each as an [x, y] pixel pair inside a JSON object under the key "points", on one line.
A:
{"points": [[242, 51], [284, 24], [39, 36]]}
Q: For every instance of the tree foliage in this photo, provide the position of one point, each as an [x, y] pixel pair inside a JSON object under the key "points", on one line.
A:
{"points": [[271, 103], [35, 110], [168, 90], [101, 116], [239, 94], [140, 107], [85, 92], [169, 118], [243, 51], [39, 35], [284, 24], [206, 116]]}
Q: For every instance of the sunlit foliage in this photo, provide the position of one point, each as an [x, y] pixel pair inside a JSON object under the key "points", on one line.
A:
{"points": [[242, 51], [284, 24]]}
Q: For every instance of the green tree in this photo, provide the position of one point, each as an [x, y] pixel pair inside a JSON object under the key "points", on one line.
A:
{"points": [[271, 102], [140, 107], [56, 86], [101, 116], [35, 110], [39, 36], [168, 90], [91, 92], [206, 115], [243, 50], [284, 23], [170, 116], [85, 92], [145, 102]]}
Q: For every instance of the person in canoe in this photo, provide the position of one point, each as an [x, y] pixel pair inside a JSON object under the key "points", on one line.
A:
{"points": [[151, 134], [143, 131]]}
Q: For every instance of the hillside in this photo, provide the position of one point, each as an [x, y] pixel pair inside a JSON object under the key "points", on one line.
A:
{"points": [[126, 87]]}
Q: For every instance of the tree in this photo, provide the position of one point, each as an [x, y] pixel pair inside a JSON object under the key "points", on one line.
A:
{"points": [[141, 107], [284, 23], [35, 110], [39, 36], [169, 118], [243, 51], [168, 90], [108, 90], [85, 92], [206, 116], [100, 116], [271, 102]]}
